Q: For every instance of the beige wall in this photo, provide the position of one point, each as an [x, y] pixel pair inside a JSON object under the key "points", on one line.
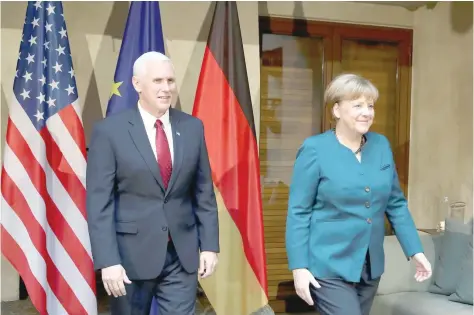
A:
{"points": [[441, 122], [95, 45]]}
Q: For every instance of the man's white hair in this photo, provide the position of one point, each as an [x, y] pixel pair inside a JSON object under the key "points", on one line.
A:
{"points": [[141, 64]]}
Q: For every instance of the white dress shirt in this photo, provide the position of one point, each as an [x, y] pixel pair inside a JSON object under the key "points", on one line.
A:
{"points": [[149, 121]]}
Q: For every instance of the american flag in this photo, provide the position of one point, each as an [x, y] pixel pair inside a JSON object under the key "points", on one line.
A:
{"points": [[44, 228]]}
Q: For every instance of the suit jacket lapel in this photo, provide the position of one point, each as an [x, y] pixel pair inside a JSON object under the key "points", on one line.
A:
{"points": [[177, 147], [140, 138]]}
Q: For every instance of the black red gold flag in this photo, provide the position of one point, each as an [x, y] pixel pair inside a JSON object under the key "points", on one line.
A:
{"points": [[224, 105]]}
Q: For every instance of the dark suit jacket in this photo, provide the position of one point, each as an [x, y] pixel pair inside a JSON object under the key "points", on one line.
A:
{"points": [[130, 214]]}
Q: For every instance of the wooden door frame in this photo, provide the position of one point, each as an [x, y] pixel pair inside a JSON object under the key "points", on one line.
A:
{"points": [[332, 34]]}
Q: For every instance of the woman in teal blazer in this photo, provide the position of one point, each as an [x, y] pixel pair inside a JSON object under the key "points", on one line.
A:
{"points": [[344, 182]]}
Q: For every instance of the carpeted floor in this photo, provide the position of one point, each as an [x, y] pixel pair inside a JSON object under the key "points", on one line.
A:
{"points": [[25, 307], [18, 308]]}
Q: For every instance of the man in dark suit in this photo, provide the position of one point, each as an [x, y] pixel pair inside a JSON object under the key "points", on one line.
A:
{"points": [[151, 208]]}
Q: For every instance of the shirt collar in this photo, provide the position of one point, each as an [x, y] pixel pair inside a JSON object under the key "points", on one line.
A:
{"points": [[149, 120]]}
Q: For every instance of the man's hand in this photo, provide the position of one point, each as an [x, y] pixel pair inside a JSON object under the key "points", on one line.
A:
{"points": [[423, 267], [207, 264], [302, 278], [113, 278]]}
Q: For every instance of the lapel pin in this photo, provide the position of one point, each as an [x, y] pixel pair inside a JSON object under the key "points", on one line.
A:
{"points": [[178, 133]]}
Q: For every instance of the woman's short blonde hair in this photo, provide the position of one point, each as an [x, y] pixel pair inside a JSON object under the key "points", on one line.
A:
{"points": [[349, 87]]}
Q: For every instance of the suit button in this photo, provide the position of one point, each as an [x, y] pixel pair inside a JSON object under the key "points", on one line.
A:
{"points": [[367, 189], [166, 201], [369, 221], [164, 228], [367, 204]]}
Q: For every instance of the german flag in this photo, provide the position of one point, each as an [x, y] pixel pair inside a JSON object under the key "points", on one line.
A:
{"points": [[223, 103]]}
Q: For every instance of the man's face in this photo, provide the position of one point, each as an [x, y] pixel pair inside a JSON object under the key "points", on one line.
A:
{"points": [[156, 85]]}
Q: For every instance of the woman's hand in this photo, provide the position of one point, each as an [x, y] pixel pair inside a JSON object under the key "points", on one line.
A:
{"points": [[302, 278], [423, 267]]}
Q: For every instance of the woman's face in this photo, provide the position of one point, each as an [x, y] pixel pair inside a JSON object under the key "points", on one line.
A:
{"points": [[357, 115]]}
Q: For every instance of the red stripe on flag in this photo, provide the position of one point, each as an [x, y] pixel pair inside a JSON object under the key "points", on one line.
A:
{"points": [[17, 258], [64, 172], [74, 125], [233, 156], [56, 220], [58, 284]]}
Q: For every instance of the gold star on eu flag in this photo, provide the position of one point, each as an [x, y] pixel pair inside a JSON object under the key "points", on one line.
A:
{"points": [[115, 89]]}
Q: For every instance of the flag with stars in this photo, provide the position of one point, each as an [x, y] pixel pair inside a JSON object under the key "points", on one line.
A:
{"points": [[43, 226], [143, 33]]}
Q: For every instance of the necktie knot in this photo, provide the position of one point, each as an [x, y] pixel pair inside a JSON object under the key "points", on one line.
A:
{"points": [[158, 123]]}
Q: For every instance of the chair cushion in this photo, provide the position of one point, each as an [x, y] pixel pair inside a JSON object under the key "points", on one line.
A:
{"points": [[418, 303], [464, 290], [453, 247]]}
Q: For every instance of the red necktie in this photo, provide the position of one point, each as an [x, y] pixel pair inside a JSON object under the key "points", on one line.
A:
{"points": [[163, 153]]}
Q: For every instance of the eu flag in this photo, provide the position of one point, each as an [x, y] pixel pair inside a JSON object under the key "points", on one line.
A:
{"points": [[143, 33]]}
